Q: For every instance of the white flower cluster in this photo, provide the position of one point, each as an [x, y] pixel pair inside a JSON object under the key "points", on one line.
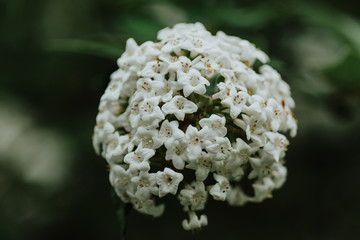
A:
{"points": [[190, 115]]}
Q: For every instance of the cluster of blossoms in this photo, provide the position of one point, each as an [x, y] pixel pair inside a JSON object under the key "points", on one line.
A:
{"points": [[191, 116]]}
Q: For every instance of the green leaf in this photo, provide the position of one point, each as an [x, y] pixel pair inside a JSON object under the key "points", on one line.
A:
{"points": [[212, 88]]}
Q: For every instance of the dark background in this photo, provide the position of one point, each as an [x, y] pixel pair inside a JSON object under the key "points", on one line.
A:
{"points": [[56, 58]]}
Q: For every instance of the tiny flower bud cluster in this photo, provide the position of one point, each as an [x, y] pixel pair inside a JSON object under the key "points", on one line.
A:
{"points": [[191, 116]]}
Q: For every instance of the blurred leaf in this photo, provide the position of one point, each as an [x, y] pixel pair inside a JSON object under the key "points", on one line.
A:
{"points": [[167, 13], [346, 74], [141, 28], [254, 17], [85, 47], [342, 24]]}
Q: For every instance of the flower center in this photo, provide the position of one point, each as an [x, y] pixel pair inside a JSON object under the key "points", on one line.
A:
{"points": [[180, 104]]}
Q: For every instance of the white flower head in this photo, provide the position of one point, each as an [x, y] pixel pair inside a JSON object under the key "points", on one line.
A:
{"points": [[190, 115]]}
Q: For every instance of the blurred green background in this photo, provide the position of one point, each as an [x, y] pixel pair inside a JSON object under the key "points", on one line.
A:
{"points": [[56, 58]]}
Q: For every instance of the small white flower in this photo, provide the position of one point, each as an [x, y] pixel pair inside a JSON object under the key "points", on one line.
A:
{"points": [[220, 189], [123, 121], [194, 222], [253, 126], [226, 90], [155, 70], [215, 124], [236, 103], [276, 145], [147, 137], [237, 197], [196, 141], [240, 154], [120, 180], [193, 196], [144, 86], [101, 134], [150, 112], [279, 173], [179, 106], [165, 88], [181, 29], [168, 181], [263, 189], [231, 168], [134, 116], [275, 114], [105, 118], [169, 132], [181, 63], [261, 167], [146, 52], [192, 82], [147, 207], [291, 124], [177, 153], [220, 149], [208, 67], [138, 159], [112, 92], [202, 166], [146, 185], [116, 148]]}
